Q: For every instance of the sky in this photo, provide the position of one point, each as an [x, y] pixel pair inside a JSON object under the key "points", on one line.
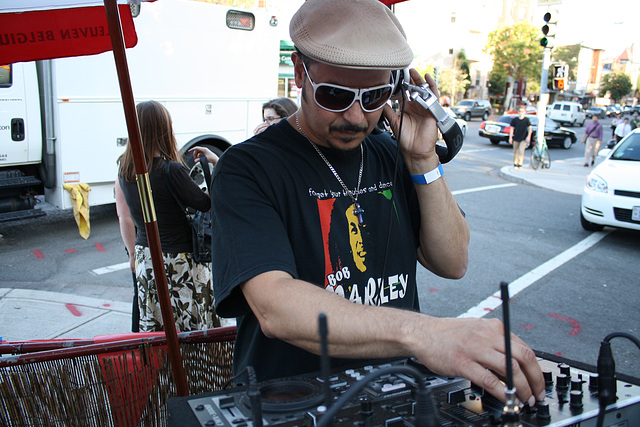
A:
{"points": [[595, 23], [599, 24]]}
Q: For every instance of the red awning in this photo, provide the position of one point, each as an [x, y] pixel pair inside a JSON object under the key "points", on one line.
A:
{"points": [[390, 2], [34, 30]]}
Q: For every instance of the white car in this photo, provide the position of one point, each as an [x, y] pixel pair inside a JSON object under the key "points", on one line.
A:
{"points": [[461, 122], [611, 195]]}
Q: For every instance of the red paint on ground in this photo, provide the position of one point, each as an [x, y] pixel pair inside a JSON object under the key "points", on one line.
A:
{"points": [[99, 247], [38, 254], [433, 290], [528, 327], [70, 250], [576, 325], [73, 309]]}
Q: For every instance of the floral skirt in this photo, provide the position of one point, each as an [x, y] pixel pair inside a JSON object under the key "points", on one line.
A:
{"points": [[190, 290]]}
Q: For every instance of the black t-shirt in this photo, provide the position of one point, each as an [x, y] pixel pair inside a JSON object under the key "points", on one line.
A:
{"points": [[173, 228], [520, 128], [277, 206]]}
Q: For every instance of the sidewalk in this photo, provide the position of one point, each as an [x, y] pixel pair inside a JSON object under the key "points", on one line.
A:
{"points": [[31, 314], [565, 176], [27, 314]]}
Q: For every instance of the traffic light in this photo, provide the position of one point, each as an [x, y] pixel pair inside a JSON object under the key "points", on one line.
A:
{"points": [[560, 74], [548, 31]]}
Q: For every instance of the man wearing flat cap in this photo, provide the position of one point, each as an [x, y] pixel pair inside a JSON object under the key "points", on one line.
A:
{"points": [[319, 214]]}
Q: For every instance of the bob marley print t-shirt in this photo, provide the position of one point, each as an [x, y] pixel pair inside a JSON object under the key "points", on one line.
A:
{"points": [[278, 206]]}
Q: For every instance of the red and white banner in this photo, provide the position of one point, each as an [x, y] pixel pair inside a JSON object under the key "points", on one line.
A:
{"points": [[33, 30], [390, 2]]}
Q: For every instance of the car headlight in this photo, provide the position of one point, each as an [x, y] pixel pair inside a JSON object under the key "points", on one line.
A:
{"points": [[597, 183]]}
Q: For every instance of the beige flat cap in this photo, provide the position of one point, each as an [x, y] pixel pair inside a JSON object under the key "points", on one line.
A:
{"points": [[351, 34]]}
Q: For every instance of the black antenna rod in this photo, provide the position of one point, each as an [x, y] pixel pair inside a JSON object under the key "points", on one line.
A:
{"points": [[323, 330], [511, 412], [504, 293]]}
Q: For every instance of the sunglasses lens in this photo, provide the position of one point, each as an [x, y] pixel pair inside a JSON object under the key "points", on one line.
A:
{"points": [[333, 98], [376, 98]]}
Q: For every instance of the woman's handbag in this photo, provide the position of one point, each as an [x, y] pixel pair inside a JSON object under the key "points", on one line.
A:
{"points": [[200, 222]]}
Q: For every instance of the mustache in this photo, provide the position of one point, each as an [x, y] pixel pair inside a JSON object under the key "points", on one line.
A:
{"points": [[348, 127]]}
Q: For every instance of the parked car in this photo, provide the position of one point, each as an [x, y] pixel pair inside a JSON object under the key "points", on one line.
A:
{"points": [[565, 112], [613, 111], [470, 108], [555, 134], [611, 196], [596, 111]]}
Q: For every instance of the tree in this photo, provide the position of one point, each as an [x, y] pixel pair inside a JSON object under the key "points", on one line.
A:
{"points": [[463, 70], [516, 54], [449, 79], [617, 84]]}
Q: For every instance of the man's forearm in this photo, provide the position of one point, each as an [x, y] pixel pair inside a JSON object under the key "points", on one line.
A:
{"points": [[355, 331]]}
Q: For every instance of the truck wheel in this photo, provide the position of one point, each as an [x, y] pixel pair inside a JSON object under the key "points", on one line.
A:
{"points": [[485, 116], [467, 116]]}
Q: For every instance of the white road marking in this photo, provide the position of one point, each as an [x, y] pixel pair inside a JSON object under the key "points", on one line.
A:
{"points": [[488, 187], [478, 150], [523, 282], [110, 268]]}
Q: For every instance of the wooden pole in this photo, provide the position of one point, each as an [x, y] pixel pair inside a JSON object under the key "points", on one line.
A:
{"points": [[144, 188]]}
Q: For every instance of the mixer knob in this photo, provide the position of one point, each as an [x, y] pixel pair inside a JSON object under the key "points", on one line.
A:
{"points": [[575, 400], [593, 382], [576, 385], [543, 413], [562, 381], [565, 369], [548, 378]]}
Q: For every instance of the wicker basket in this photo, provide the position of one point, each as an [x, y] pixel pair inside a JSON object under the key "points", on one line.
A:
{"points": [[125, 382]]}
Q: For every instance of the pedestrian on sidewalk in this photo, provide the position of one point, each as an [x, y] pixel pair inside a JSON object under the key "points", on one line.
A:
{"points": [[614, 124], [520, 136], [622, 129], [593, 138]]}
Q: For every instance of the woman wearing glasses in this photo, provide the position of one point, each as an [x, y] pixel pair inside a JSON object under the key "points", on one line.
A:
{"points": [[322, 215], [275, 110]]}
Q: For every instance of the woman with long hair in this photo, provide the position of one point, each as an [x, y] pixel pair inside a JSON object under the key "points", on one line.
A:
{"points": [[190, 283]]}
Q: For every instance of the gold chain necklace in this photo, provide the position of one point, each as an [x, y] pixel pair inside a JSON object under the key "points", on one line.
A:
{"points": [[357, 211]]}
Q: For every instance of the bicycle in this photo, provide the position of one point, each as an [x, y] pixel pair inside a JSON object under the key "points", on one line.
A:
{"points": [[540, 156]]}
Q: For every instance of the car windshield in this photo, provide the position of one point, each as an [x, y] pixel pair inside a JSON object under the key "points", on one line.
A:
{"points": [[629, 149], [465, 103]]}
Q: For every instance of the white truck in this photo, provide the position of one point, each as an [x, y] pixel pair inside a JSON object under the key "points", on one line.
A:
{"points": [[62, 120]]}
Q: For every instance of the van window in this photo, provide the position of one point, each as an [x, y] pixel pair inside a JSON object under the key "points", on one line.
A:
{"points": [[5, 76], [556, 107], [566, 107]]}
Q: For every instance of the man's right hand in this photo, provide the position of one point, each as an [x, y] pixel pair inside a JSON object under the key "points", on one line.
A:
{"points": [[474, 349]]}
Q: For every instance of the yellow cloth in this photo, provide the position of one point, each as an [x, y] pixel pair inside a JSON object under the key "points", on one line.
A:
{"points": [[79, 194]]}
